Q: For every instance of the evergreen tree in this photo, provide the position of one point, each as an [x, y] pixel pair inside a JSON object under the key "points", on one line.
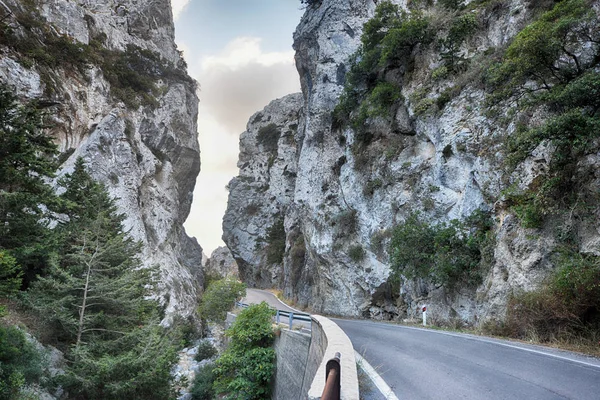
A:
{"points": [[95, 300], [10, 277], [26, 163]]}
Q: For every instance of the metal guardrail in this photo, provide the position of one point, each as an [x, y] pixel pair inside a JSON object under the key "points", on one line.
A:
{"points": [[292, 316]]}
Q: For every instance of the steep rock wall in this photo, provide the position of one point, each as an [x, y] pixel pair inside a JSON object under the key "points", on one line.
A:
{"points": [[442, 157], [140, 141]]}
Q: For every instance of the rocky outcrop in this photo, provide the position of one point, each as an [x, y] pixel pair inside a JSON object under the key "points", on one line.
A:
{"points": [[260, 197], [438, 153], [221, 263], [136, 129]]}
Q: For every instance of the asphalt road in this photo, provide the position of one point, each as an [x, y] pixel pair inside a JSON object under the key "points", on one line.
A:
{"points": [[427, 364], [256, 296]]}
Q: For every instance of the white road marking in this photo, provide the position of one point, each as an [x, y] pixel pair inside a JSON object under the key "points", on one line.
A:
{"points": [[377, 380], [497, 342]]}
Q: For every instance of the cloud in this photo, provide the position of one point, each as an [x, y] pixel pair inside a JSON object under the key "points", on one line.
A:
{"points": [[242, 79], [235, 83], [178, 6]]}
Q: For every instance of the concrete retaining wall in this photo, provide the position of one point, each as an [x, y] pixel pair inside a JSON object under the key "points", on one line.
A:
{"points": [[292, 349]]}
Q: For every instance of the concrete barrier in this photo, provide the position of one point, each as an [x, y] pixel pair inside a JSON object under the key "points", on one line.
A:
{"points": [[292, 349], [328, 339]]}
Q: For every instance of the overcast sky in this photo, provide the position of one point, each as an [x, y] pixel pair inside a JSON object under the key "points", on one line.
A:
{"points": [[240, 51]]}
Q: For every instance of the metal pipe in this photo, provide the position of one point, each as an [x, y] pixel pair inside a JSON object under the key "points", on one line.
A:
{"points": [[332, 379]]}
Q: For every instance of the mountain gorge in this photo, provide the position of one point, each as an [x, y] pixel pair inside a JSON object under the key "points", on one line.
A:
{"points": [[440, 154], [111, 78]]}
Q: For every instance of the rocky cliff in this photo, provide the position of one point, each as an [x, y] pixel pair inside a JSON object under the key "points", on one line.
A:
{"points": [[426, 132], [117, 93]]}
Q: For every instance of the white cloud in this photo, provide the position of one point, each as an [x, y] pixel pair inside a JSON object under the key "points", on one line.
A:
{"points": [[242, 51], [178, 6], [242, 79], [235, 83]]}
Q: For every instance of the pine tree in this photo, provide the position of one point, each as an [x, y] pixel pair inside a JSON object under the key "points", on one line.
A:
{"points": [[26, 163], [95, 298]]}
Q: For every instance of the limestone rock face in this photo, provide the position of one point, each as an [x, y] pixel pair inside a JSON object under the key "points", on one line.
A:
{"points": [[260, 196], [444, 161], [146, 153], [221, 263]]}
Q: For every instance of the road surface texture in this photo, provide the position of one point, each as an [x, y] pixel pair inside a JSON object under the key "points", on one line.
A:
{"points": [[428, 364]]}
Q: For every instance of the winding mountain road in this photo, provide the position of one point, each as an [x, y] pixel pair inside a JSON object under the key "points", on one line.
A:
{"points": [[428, 364]]}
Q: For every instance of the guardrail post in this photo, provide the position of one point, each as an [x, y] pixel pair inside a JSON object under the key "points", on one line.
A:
{"points": [[332, 379], [277, 317], [291, 319]]}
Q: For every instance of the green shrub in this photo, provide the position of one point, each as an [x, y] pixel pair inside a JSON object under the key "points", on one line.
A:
{"points": [[567, 306], [356, 253], [20, 362], [463, 27], [543, 52], [346, 222], [276, 242], [203, 385], [10, 277], [424, 106], [220, 297], [440, 73], [447, 254], [268, 136], [371, 186], [382, 98], [206, 350], [245, 370]]}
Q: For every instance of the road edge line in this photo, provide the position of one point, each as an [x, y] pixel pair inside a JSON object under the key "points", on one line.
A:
{"points": [[377, 380], [502, 342]]}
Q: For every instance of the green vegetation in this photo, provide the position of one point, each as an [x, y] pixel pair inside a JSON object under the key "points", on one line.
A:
{"points": [[388, 42], [449, 254], [10, 277], [26, 200], [543, 68], [133, 74], [93, 298], [83, 282], [20, 362], [565, 309], [203, 385], [244, 371], [205, 351], [462, 27], [276, 242], [544, 52], [356, 253], [268, 136], [220, 297], [346, 223]]}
